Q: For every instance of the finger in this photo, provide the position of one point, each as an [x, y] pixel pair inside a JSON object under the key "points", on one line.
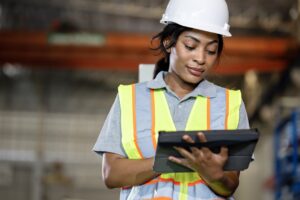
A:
{"points": [[201, 154], [179, 161], [201, 137], [195, 151], [175, 159], [206, 151], [187, 138], [224, 152], [184, 153]]}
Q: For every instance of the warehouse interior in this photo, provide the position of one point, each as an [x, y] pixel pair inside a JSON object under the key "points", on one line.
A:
{"points": [[62, 61]]}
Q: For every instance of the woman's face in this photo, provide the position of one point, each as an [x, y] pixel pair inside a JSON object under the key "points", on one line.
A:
{"points": [[193, 55]]}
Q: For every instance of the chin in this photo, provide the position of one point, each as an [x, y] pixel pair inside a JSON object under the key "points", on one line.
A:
{"points": [[194, 81]]}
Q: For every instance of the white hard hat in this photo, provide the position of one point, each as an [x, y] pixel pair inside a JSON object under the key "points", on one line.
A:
{"points": [[207, 15]]}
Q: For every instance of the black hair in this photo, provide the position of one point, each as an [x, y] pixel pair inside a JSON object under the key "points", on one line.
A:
{"points": [[170, 33]]}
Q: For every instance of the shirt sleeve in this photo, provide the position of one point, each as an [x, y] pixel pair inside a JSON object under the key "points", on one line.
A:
{"points": [[243, 119], [109, 139]]}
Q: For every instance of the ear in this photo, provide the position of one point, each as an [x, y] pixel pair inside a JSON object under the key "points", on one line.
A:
{"points": [[166, 44]]}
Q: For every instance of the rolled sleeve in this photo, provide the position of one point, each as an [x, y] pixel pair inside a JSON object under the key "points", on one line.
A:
{"points": [[109, 139]]}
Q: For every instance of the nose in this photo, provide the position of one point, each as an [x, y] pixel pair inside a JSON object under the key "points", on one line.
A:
{"points": [[199, 57]]}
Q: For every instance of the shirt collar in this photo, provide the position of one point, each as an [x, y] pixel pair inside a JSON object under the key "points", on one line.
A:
{"points": [[204, 88], [158, 82]]}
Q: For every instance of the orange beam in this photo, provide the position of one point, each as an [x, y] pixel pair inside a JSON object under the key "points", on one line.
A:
{"points": [[127, 51]]}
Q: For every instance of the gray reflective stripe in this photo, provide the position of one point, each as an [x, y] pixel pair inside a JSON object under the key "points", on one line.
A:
{"points": [[218, 110], [144, 121], [201, 191], [168, 190]]}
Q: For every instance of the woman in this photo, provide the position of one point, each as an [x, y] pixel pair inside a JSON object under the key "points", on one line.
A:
{"points": [[179, 98]]}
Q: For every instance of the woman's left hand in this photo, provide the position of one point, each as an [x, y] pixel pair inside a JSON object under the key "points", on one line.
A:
{"points": [[209, 165]]}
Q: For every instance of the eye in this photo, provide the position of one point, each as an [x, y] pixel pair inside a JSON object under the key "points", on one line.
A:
{"points": [[189, 47], [211, 52]]}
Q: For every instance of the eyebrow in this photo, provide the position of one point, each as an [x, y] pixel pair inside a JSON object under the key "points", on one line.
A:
{"points": [[197, 40]]}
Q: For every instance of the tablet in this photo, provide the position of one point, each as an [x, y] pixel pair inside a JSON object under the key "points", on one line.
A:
{"points": [[240, 143]]}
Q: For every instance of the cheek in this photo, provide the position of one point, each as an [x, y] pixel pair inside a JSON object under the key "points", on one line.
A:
{"points": [[183, 59], [178, 57], [183, 54], [211, 61]]}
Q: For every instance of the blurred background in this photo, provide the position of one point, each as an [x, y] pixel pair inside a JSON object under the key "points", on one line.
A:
{"points": [[60, 65]]}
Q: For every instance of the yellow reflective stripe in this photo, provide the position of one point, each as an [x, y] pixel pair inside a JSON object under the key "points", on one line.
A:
{"points": [[182, 177], [163, 118], [233, 103], [183, 193], [128, 121], [184, 180], [199, 118]]}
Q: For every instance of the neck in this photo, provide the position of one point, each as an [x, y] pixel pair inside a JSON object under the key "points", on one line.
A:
{"points": [[179, 86]]}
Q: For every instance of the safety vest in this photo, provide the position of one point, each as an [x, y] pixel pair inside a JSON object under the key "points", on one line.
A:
{"points": [[145, 111]]}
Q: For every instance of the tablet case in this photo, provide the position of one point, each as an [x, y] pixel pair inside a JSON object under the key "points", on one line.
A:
{"points": [[241, 144]]}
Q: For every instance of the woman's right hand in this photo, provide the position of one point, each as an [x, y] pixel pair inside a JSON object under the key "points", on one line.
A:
{"points": [[209, 166]]}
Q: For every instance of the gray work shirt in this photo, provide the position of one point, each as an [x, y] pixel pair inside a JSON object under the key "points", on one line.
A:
{"points": [[109, 139]]}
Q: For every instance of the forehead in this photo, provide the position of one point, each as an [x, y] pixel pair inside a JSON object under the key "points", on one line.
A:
{"points": [[202, 36]]}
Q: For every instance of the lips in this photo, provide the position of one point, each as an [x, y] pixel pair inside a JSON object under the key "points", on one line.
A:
{"points": [[195, 71]]}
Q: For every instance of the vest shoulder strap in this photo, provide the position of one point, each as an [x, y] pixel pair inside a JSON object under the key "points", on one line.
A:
{"points": [[128, 121], [233, 104]]}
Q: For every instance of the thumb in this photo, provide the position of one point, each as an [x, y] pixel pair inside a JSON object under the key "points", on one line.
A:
{"points": [[224, 152]]}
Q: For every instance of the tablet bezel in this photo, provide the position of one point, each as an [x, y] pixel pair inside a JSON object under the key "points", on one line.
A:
{"points": [[241, 144]]}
